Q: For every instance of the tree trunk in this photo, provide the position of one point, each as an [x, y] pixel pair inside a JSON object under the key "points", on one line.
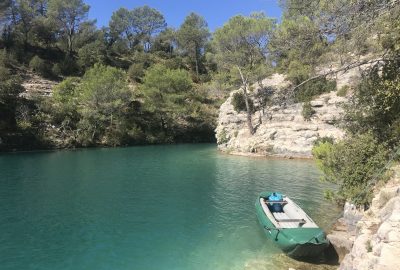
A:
{"points": [[69, 44], [197, 63], [246, 100]]}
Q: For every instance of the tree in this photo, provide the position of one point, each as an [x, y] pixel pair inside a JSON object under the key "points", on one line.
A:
{"points": [[297, 45], [165, 92], [105, 98], [242, 45], [146, 22], [24, 15], [165, 41], [353, 164], [137, 25], [68, 15], [192, 37], [10, 88], [121, 26], [375, 106], [5, 7]]}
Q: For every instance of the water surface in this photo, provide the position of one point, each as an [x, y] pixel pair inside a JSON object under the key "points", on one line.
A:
{"points": [[152, 207]]}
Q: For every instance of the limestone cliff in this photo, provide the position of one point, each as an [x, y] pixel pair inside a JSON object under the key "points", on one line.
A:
{"points": [[372, 238], [281, 130]]}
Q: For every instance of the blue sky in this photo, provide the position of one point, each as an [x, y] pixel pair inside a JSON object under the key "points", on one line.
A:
{"points": [[216, 12]]}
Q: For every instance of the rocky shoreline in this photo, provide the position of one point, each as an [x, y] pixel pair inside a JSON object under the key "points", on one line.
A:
{"points": [[371, 239]]}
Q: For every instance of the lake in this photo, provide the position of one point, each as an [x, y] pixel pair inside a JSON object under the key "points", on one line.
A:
{"points": [[149, 207]]}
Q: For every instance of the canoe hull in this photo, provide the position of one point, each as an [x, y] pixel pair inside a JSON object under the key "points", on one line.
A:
{"points": [[295, 242]]}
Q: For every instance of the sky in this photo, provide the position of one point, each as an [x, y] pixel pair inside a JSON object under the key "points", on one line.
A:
{"points": [[216, 12]]}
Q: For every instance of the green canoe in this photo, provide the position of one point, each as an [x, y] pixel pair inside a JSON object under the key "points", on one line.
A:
{"points": [[289, 227]]}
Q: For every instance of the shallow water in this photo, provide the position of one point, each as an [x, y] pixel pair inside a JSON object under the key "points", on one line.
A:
{"points": [[152, 207]]}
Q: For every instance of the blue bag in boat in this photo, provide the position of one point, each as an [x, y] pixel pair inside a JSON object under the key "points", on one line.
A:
{"points": [[276, 197]]}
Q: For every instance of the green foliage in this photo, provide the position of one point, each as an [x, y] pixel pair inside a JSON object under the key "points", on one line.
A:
{"points": [[307, 111], [298, 71], [68, 17], [90, 54], [314, 88], [353, 164], [239, 104], [56, 70], [10, 88], [178, 111], [342, 92], [192, 37], [222, 137], [321, 140], [39, 66], [243, 42], [165, 91], [68, 66], [136, 26], [105, 96], [376, 105], [297, 45], [65, 102], [136, 72]]}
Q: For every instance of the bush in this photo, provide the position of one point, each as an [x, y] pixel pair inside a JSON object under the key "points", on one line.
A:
{"points": [[376, 105], [223, 137], [314, 88], [56, 70], [68, 66], [353, 164], [308, 111], [91, 54], [105, 98], [239, 103], [342, 92], [136, 72], [298, 72], [39, 66]]}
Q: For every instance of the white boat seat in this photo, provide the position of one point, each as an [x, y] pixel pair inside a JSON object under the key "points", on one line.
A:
{"points": [[282, 217]]}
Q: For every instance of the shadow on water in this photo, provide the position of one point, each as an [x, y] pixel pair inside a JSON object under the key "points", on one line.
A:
{"points": [[329, 257], [327, 261]]}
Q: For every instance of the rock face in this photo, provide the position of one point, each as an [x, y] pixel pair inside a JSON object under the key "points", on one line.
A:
{"points": [[281, 130], [377, 233], [35, 85]]}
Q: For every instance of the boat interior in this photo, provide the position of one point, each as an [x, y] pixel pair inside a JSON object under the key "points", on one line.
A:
{"points": [[286, 214]]}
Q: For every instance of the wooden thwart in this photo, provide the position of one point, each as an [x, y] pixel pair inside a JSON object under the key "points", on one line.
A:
{"points": [[291, 220], [282, 202]]}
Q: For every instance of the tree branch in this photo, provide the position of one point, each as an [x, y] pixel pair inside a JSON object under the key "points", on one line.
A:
{"points": [[344, 69]]}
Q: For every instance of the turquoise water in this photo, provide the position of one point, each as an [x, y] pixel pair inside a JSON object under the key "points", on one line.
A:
{"points": [[153, 207]]}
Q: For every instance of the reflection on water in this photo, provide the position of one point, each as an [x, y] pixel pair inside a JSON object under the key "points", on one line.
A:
{"points": [[156, 207]]}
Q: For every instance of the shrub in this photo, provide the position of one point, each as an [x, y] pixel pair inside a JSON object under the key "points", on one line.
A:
{"points": [[136, 72], [323, 140], [298, 72], [223, 137], [39, 66], [314, 88], [239, 103], [308, 111], [90, 54], [342, 92], [105, 98], [68, 66], [353, 164], [56, 70], [376, 105]]}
